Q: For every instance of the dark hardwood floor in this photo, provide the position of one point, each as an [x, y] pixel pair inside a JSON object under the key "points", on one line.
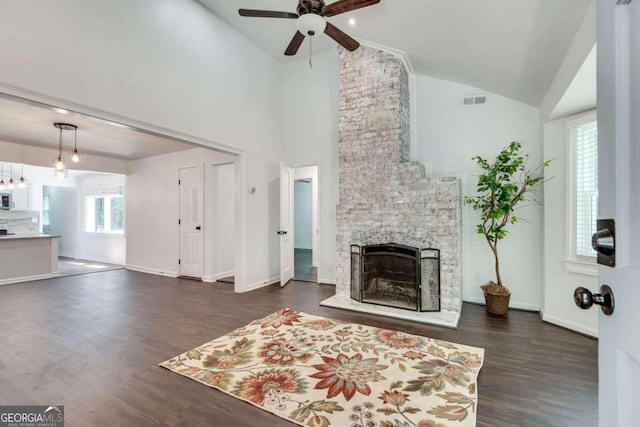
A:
{"points": [[92, 343]]}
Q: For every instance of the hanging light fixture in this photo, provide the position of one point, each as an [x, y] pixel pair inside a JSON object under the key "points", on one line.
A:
{"points": [[75, 155], [60, 169], [11, 185], [2, 186], [22, 183]]}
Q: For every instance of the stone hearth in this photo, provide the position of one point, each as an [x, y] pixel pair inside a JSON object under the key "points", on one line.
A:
{"points": [[384, 197]]}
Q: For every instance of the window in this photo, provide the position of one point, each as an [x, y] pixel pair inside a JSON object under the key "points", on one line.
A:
{"points": [[45, 210], [583, 149], [104, 214]]}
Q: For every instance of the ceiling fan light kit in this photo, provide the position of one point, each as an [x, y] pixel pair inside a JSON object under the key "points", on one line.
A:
{"points": [[311, 16], [311, 24]]}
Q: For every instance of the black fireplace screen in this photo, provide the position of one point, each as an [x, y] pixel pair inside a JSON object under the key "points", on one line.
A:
{"points": [[396, 276]]}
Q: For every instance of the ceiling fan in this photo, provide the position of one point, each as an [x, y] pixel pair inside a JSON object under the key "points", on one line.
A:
{"points": [[311, 16]]}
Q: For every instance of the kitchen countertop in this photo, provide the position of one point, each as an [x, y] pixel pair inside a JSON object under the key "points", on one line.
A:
{"points": [[26, 236]]}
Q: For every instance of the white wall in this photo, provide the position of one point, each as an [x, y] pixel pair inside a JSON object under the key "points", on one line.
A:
{"points": [[558, 305], [582, 45], [64, 218], [302, 215], [168, 63], [153, 211], [448, 137], [223, 212], [311, 99]]}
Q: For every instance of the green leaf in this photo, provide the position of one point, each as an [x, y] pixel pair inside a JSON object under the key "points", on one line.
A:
{"points": [[300, 414], [387, 411], [397, 384], [414, 387], [453, 397], [325, 406], [411, 410], [450, 412]]}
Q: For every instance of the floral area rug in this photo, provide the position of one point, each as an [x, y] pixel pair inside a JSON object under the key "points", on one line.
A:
{"points": [[316, 371]]}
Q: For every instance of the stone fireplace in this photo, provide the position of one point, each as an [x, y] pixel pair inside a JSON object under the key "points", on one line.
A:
{"points": [[386, 200]]}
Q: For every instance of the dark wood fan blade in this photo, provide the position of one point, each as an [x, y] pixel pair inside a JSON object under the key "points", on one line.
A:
{"points": [[267, 14], [293, 47], [341, 37], [342, 6]]}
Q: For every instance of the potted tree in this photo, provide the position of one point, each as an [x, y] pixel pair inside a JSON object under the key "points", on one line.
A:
{"points": [[502, 186]]}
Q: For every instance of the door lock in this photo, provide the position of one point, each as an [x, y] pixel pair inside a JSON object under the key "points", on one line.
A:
{"points": [[603, 241], [282, 232], [198, 228], [584, 299]]}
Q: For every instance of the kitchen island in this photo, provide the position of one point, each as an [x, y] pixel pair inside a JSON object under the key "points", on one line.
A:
{"points": [[27, 256]]}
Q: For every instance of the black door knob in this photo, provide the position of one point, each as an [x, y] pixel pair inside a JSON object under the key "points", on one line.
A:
{"points": [[584, 299]]}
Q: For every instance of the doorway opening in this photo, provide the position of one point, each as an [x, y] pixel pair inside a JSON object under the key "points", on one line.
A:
{"points": [[223, 222], [305, 223], [86, 211]]}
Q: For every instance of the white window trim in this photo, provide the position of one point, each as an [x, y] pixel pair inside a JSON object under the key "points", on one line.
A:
{"points": [[572, 262], [105, 194]]}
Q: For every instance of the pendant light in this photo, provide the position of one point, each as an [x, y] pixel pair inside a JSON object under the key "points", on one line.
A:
{"points": [[22, 183], [11, 185], [2, 186], [59, 164], [75, 155]]}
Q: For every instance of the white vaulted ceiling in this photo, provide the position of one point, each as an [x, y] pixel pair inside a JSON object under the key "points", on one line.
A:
{"points": [[510, 47]]}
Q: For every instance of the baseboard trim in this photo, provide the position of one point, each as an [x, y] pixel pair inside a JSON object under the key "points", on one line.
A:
{"points": [[327, 282], [105, 261], [224, 274], [258, 285], [155, 271], [66, 255], [512, 304], [208, 279], [27, 278], [569, 325]]}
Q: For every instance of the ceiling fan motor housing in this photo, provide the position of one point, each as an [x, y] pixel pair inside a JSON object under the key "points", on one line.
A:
{"points": [[310, 6]]}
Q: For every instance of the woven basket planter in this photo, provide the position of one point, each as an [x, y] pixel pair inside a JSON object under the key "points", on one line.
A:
{"points": [[497, 303]]}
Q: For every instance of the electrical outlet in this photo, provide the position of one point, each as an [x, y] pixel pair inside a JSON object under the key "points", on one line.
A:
{"points": [[476, 275]]}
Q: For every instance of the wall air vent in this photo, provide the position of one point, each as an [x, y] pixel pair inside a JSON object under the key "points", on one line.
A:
{"points": [[473, 100]]}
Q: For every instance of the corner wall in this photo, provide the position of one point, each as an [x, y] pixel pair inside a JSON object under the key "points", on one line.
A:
{"points": [[558, 305], [153, 209], [449, 135]]}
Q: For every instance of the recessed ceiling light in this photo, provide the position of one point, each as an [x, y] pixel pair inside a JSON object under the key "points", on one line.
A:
{"points": [[352, 21]]}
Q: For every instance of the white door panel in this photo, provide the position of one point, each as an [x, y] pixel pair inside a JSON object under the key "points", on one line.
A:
{"points": [[286, 224], [619, 199], [191, 213]]}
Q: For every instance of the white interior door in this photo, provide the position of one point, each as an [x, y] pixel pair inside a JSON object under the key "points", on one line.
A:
{"points": [[619, 198], [286, 224], [190, 222]]}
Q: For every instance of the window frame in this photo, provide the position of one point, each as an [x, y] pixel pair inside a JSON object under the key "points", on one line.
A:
{"points": [[573, 262], [107, 204]]}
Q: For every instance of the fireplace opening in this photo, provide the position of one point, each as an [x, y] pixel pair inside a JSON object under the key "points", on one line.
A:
{"points": [[396, 276]]}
